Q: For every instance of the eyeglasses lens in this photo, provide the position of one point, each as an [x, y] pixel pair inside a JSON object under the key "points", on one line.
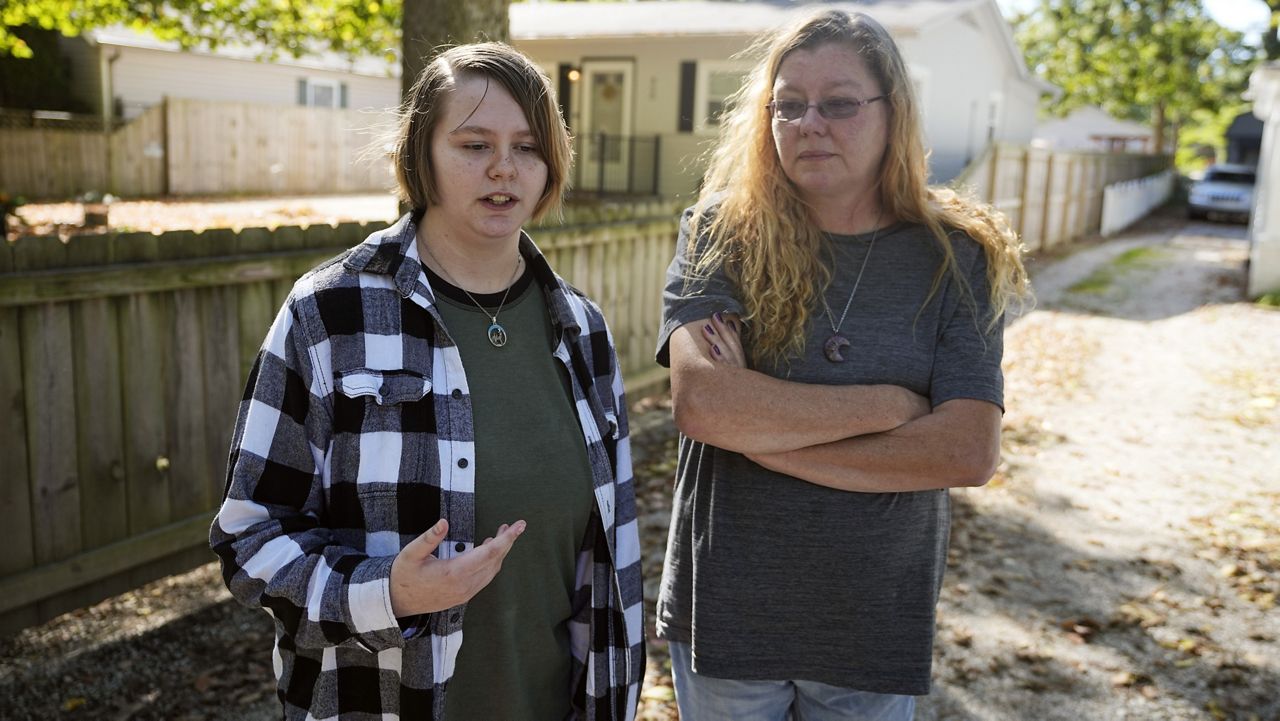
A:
{"points": [[831, 108]]}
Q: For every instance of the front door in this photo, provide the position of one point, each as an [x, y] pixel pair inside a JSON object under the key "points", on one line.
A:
{"points": [[605, 135]]}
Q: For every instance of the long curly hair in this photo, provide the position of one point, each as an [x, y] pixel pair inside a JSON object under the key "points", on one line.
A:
{"points": [[762, 232]]}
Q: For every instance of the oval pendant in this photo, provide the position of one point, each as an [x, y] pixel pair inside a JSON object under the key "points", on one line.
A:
{"points": [[497, 335]]}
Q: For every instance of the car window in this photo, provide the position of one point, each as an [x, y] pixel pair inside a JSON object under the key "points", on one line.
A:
{"points": [[1231, 176]]}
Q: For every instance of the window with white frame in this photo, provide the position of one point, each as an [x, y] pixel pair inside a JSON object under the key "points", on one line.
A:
{"points": [[321, 93], [717, 80]]}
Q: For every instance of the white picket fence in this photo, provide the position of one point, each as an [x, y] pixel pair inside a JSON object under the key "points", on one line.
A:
{"points": [[1126, 202]]}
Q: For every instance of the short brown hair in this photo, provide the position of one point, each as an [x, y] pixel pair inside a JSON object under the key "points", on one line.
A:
{"points": [[422, 109]]}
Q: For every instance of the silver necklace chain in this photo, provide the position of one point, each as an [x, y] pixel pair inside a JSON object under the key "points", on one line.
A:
{"points": [[835, 327], [497, 334]]}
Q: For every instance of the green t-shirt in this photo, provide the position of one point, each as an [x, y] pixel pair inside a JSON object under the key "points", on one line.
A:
{"points": [[531, 464]]}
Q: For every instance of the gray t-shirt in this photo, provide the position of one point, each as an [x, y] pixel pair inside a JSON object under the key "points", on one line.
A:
{"points": [[772, 577]]}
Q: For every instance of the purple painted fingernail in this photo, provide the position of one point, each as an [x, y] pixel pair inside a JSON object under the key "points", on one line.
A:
{"points": [[719, 317], [709, 329], [715, 348]]}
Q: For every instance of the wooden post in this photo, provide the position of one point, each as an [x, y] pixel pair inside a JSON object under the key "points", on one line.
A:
{"points": [[1024, 192], [109, 186], [166, 141], [1045, 239], [994, 174], [600, 156], [1069, 199]]}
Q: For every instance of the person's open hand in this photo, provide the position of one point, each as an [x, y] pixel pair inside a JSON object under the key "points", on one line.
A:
{"points": [[422, 583]]}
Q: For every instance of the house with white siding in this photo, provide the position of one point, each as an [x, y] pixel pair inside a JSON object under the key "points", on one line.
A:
{"points": [[121, 73], [1091, 128], [654, 75], [1264, 222]]}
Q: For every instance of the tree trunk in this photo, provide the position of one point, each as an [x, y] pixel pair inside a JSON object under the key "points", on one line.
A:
{"points": [[1270, 41], [429, 26], [1157, 125]]}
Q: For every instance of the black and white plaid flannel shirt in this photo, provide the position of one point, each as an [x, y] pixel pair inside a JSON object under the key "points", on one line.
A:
{"points": [[354, 436]]}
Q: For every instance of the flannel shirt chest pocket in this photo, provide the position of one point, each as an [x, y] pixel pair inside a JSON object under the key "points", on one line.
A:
{"points": [[384, 429]]}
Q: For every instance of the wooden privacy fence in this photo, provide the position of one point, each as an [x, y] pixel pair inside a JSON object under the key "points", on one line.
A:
{"points": [[201, 147], [123, 358], [1052, 197], [53, 162]]}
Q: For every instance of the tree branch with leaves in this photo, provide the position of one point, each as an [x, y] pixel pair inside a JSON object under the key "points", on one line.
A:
{"points": [[1154, 62]]}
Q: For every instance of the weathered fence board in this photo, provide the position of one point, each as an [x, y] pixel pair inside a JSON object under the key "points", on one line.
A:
{"points": [[222, 378], [137, 159], [200, 147], [50, 163], [143, 339], [47, 580], [257, 309], [98, 409], [189, 471], [252, 148], [17, 553], [49, 382]]}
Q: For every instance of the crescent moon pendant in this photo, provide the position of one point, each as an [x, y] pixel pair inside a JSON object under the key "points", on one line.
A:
{"points": [[833, 346]]}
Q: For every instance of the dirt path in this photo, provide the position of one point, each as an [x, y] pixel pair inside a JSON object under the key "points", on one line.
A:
{"points": [[1122, 565], [1125, 562]]}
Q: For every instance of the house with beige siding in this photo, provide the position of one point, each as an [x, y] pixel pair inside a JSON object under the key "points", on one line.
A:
{"points": [[642, 83]]}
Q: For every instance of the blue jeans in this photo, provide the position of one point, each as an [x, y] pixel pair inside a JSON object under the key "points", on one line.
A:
{"points": [[704, 698]]}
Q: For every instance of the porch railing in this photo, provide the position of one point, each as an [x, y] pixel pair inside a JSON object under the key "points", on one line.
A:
{"points": [[617, 164]]}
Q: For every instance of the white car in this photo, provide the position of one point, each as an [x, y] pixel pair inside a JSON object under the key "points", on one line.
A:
{"points": [[1224, 189]]}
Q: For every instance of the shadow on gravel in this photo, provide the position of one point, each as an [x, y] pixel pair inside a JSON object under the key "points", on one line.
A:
{"points": [[1013, 567], [211, 664]]}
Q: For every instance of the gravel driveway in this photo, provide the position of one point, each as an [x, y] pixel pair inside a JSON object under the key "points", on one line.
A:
{"points": [[1123, 564]]}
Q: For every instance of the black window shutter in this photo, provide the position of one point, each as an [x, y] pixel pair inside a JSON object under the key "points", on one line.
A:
{"points": [[302, 91], [564, 90], [342, 95], [688, 77]]}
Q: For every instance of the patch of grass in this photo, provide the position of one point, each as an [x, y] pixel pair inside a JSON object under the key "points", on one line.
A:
{"points": [[1100, 280], [1136, 256], [1269, 300]]}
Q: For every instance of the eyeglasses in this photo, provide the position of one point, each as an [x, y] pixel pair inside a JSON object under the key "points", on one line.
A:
{"points": [[831, 108]]}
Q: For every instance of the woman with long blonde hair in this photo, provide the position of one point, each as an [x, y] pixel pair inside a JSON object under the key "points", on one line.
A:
{"points": [[833, 327]]}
